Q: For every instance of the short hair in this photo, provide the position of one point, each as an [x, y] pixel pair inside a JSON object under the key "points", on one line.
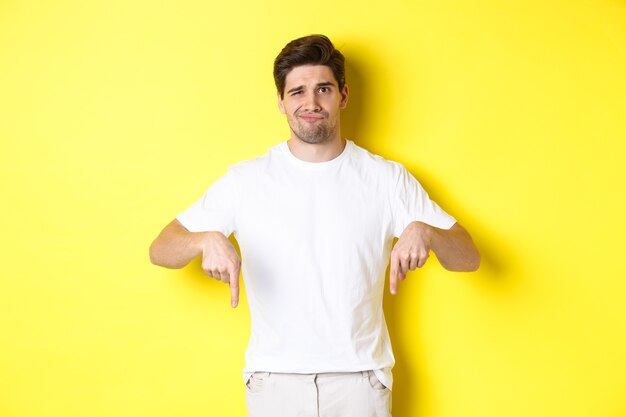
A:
{"points": [[308, 50]]}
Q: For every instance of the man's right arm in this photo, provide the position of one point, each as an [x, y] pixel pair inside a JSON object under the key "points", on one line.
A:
{"points": [[176, 246]]}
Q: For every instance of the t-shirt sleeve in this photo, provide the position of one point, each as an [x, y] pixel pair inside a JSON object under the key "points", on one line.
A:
{"points": [[410, 202], [215, 210]]}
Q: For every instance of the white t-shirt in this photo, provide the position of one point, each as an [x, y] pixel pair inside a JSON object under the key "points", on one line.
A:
{"points": [[315, 242]]}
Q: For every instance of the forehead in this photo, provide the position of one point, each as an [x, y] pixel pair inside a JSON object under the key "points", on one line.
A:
{"points": [[309, 74]]}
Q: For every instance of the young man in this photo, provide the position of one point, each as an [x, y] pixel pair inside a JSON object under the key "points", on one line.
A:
{"points": [[315, 219]]}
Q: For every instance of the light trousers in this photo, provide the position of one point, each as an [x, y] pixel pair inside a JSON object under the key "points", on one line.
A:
{"points": [[341, 394]]}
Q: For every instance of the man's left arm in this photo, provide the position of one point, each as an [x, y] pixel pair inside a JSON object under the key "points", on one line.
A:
{"points": [[453, 247]]}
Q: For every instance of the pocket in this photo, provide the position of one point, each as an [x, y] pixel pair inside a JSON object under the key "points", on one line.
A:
{"points": [[375, 382], [256, 382]]}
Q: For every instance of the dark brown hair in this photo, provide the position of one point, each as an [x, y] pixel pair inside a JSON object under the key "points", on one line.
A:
{"points": [[308, 50]]}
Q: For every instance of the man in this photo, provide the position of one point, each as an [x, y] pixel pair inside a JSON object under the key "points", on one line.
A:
{"points": [[315, 219]]}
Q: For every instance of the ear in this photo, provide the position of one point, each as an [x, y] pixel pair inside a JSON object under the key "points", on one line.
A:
{"points": [[281, 106], [344, 97]]}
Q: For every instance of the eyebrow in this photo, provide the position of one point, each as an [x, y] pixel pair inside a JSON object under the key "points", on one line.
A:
{"points": [[301, 87]]}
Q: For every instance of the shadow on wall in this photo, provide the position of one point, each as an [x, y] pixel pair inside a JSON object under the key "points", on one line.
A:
{"points": [[412, 391]]}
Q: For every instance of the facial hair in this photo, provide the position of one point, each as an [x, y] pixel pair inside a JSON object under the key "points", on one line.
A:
{"points": [[312, 133]]}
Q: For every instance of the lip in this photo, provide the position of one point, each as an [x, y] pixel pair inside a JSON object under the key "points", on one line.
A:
{"points": [[310, 117]]}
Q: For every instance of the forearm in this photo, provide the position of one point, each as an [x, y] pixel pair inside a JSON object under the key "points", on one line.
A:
{"points": [[455, 249], [175, 246]]}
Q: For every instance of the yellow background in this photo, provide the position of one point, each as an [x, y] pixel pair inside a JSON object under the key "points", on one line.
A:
{"points": [[117, 115]]}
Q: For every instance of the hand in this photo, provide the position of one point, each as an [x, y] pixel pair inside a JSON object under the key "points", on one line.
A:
{"points": [[220, 260], [411, 251]]}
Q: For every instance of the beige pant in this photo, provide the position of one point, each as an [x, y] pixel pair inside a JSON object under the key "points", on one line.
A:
{"points": [[342, 394]]}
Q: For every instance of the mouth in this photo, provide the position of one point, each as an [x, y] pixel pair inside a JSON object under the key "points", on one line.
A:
{"points": [[310, 117]]}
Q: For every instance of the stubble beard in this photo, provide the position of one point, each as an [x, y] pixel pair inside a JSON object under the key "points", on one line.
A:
{"points": [[313, 133]]}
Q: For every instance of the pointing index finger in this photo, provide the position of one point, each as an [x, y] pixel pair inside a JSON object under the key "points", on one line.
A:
{"points": [[234, 287], [393, 276]]}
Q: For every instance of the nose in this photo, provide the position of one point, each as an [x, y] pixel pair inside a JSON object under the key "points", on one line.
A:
{"points": [[311, 102]]}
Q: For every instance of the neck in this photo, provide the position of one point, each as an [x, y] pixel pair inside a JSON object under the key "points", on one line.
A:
{"points": [[316, 152]]}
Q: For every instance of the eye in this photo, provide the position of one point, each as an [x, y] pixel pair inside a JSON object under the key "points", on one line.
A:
{"points": [[295, 93], [324, 89]]}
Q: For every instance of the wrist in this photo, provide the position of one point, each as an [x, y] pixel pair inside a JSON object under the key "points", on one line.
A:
{"points": [[199, 242], [423, 229]]}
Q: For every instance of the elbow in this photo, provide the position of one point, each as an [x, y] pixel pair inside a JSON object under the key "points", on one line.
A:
{"points": [[473, 261], [154, 255], [470, 263], [158, 257]]}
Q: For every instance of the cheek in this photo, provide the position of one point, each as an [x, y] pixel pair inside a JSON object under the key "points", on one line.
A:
{"points": [[286, 105], [333, 103]]}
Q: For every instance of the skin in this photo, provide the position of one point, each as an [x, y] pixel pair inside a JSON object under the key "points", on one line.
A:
{"points": [[312, 102], [454, 249], [176, 246]]}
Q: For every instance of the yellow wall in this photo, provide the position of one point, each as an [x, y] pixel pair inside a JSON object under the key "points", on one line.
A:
{"points": [[116, 115]]}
